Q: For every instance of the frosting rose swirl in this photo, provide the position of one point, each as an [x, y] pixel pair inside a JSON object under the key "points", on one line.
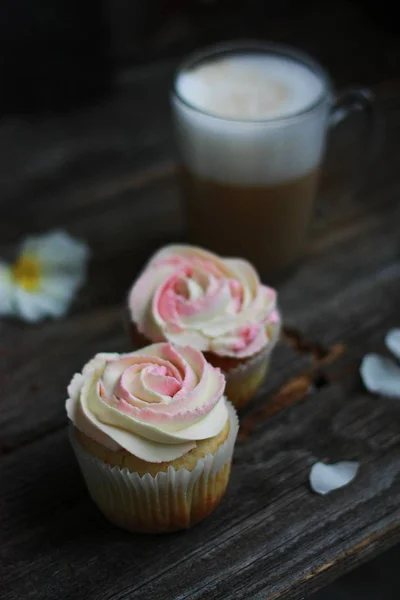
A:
{"points": [[190, 296], [155, 403]]}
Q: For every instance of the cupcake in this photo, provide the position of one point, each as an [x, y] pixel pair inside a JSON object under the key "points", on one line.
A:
{"points": [[189, 296], [153, 435]]}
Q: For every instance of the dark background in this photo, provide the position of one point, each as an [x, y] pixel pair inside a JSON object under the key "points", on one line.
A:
{"points": [[60, 54]]}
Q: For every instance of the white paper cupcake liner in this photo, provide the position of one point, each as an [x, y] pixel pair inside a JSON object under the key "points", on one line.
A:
{"points": [[252, 363], [243, 380], [169, 501]]}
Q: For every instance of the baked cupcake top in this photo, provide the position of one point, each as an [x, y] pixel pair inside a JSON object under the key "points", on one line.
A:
{"points": [[155, 402], [190, 296]]}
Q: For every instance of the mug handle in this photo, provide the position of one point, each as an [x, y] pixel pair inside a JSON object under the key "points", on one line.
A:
{"points": [[354, 101], [346, 105]]}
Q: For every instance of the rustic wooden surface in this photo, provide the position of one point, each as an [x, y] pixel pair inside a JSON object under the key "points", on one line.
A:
{"points": [[108, 175]]}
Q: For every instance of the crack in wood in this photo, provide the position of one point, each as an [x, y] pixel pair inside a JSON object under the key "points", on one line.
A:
{"points": [[299, 387], [319, 352]]}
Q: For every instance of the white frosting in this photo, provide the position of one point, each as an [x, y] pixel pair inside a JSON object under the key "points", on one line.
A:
{"points": [[155, 403], [245, 88], [190, 296]]}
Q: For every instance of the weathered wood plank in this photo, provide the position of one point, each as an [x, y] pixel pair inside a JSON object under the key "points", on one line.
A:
{"points": [[271, 536], [350, 326]]}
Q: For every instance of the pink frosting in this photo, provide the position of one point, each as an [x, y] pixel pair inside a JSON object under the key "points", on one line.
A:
{"points": [[156, 402], [189, 296]]}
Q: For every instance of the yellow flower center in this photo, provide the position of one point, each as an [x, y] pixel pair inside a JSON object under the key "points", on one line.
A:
{"points": [[26, 272]]}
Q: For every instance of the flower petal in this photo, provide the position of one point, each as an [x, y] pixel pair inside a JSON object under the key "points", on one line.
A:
{"points": [[35, 307], [57, 248], [7, 289], [392, 341], [60, 286], [380, 375], [326, 478]]}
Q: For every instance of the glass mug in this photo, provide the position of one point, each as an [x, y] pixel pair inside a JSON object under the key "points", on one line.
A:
{"points": [[249, 184]]}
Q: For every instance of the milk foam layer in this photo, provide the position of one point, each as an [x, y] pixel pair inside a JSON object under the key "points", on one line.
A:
{"points": [[250, 87], [233, 125]]}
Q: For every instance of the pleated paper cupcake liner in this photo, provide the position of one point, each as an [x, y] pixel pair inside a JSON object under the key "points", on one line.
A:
{"points": [[243, 380], [172, 500]]}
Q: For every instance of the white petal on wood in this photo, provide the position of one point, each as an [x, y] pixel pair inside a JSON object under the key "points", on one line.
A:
{"points": [[392, 341], [326, 478], [380, 375]]}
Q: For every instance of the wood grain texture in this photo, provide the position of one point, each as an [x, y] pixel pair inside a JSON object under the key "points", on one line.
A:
{"points": [[108, 176]]}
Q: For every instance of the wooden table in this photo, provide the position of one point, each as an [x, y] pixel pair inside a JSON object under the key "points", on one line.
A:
{"points": [[107, 175]]}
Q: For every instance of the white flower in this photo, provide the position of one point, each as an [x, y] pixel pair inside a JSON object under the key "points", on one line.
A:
{"points": [[45, 277], [381, 375]]}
